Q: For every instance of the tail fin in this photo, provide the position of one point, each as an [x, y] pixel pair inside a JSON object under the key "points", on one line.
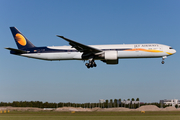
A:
{"points": [[22, 42]]}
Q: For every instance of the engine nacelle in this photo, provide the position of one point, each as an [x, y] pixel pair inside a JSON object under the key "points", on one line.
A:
{"points": [[111, 57], [111, 61]]}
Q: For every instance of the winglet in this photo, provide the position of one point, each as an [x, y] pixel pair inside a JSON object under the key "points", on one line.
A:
{"points": [[65, 38], [60, 36]]}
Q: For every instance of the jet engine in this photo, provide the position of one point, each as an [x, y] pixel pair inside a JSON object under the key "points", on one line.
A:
{"points": [[111, 57]]}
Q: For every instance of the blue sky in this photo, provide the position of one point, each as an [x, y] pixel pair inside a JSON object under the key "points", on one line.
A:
{"points": [[89, 22]]}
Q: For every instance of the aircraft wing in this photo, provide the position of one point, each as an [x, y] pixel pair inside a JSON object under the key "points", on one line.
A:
{"points": [[80, 47]]}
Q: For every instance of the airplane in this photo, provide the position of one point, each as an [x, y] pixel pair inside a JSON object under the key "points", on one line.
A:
{"points": [[78, 51]]}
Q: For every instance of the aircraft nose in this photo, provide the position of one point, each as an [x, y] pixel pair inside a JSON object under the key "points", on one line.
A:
{"points": [[174, 51]]}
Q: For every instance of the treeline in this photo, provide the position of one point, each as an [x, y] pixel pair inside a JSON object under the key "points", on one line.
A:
{"points": [[107, 104], [37, 104]]}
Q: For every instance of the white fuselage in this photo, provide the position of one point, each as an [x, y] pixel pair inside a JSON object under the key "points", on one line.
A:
{"points": [[123, 51]]}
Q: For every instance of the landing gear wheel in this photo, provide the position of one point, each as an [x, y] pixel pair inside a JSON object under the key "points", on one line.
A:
{"points": [[86, 64], [163, 58], [94, 65], [91, 64]]}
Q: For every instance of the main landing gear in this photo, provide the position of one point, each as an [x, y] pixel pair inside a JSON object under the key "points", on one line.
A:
{"points": [[163, 58], [91, 64]]}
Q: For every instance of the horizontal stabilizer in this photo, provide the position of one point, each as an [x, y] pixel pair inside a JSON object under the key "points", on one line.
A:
{"points": [[17, 51]]}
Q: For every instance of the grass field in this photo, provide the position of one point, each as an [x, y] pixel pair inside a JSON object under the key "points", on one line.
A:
{"points": [[51, 115]]}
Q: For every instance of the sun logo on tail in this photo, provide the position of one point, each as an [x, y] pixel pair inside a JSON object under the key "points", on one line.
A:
{"points": [[20, 39]]}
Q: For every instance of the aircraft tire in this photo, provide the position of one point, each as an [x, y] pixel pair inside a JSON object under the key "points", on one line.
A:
{"points": [[86, 64], [95, 65]]}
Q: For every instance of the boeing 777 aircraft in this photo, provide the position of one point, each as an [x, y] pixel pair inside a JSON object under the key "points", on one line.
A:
{"points": [[77, 51]]}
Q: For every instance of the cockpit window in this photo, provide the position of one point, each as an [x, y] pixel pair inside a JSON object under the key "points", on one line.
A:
{"points": [[170, 48]]}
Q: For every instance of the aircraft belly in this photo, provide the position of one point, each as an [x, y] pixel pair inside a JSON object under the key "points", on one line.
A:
{"points": [[77, 55], [54, 56]]}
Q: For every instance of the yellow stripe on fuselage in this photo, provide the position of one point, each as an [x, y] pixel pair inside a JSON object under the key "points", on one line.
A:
{"points": [[169, 53], [145, 50]]}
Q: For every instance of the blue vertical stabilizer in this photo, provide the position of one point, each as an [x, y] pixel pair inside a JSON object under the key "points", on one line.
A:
{"points": [[22, 42]]}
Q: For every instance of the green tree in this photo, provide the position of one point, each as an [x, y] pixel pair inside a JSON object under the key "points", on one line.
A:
{"points": [[107, 104], [137, 99], [115, 102], [119, 102], [111, 101]]}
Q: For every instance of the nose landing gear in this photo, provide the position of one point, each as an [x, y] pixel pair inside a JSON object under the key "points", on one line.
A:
{"points": [[163, 58]]}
